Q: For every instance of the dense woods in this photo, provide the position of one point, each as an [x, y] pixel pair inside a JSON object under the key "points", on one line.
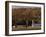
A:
{"points": [[26, 13]]}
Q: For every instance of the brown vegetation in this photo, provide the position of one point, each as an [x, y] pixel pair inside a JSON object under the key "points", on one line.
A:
{"points": [[26, 12]]}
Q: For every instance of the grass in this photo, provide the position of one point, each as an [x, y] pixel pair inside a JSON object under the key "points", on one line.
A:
{"points": [[20, 27]]}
